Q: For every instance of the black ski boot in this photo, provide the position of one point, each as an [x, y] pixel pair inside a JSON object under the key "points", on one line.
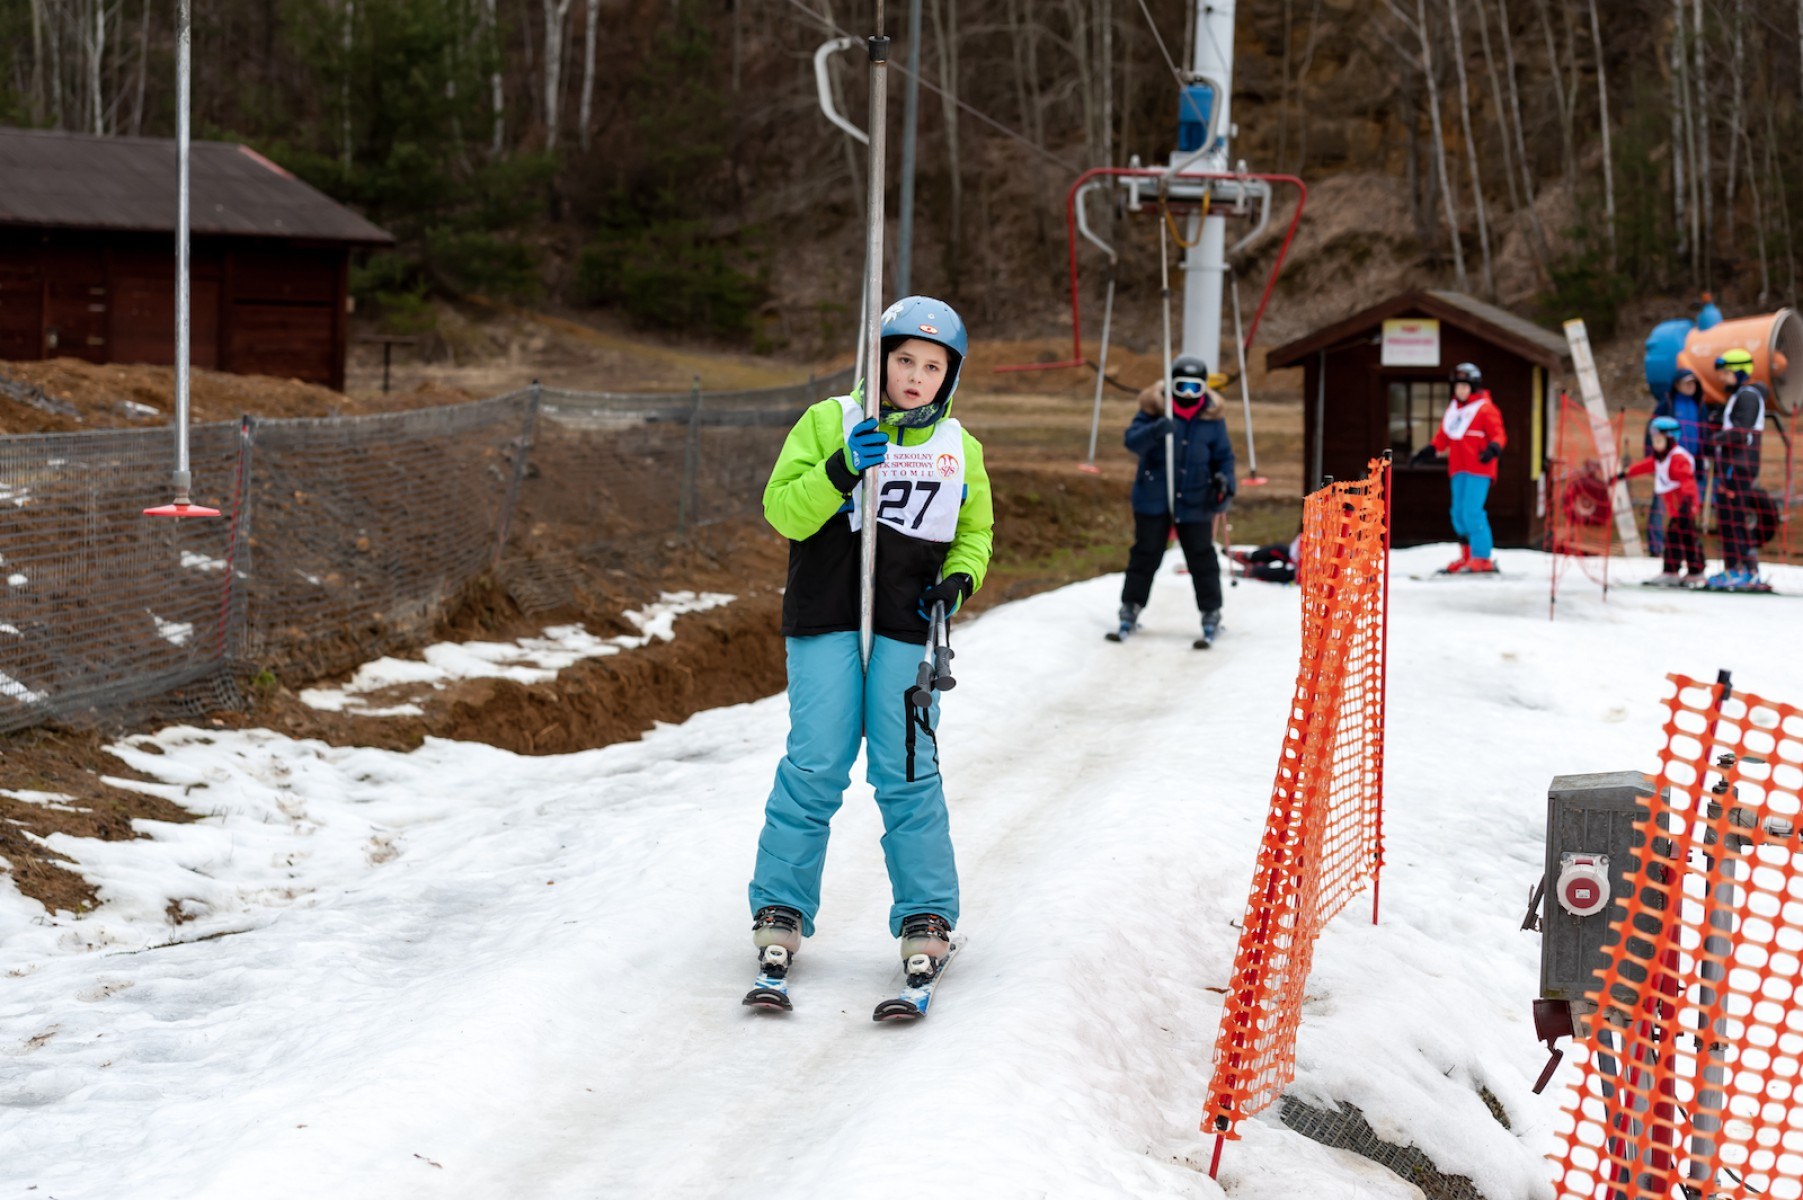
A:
{"points": [[1211, 627], [776, 932], [1129, 622]]}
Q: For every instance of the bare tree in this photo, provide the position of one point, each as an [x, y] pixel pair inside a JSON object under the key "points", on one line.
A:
{"points": [[1567, 102], [1602, 97], [1704, 233], [137, 110], [1418, 26], [1737, 60], [945, 34], [1477, 178], [37, 55], [1680, 153], [592, 15], [1777, 178], [344, 92], [96, 64], [1542, 250], [497, 95], [1308, 60], [557, 15]]}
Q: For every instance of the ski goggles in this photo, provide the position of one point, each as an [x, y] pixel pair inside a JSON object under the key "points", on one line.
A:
{"points": [[1187, 387]]}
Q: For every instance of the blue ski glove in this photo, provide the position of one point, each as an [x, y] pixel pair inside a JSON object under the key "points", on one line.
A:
{"points": [[952, 591], [866, 446]]}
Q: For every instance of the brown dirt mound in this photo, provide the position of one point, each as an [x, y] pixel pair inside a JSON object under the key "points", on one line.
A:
{"points": [[65, 394]]}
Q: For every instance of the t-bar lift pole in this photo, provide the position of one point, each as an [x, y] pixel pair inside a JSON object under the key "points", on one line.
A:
{"points": [[873, 317]]}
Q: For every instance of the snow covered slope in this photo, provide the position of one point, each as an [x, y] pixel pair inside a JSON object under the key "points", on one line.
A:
{"points": [[461, 973]]}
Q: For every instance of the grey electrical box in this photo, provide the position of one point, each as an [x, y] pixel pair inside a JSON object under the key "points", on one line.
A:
{"points": [[1591, 853]]}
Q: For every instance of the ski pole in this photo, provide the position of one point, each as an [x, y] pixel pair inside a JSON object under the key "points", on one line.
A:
{"points": [[1170, 436], [873, 310], [943, 655], [934, 674]]}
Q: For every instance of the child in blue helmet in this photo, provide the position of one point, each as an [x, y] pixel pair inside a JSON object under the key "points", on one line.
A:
{"points": [[934, 517], [1674, 472]]}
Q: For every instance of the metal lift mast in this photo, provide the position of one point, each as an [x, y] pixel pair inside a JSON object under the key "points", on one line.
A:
{"points": [[1205, 263]]}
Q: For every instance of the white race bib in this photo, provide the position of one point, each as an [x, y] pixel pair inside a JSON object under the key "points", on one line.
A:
{"points": [[919, 488], [1458, 418], [1663, 483]]}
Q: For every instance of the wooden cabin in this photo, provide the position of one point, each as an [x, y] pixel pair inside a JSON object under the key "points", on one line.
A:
{"points": [[1379, 380], [87, 256]]}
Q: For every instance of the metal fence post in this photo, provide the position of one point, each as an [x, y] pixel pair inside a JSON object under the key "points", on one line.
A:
{"points": [[522, 451], [690, 498], [237, 546]]}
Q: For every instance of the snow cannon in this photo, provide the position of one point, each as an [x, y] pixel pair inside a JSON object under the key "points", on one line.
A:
{"points": [[1775, 340], [1666, 343]]}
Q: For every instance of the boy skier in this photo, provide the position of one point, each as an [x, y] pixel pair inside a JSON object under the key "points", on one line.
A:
{"points": [[1683, 402], [1741, 421], [1201, 486], [1471, 436], [934, 514], [1674, 472]]}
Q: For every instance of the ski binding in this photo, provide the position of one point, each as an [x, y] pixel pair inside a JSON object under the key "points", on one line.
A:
{"points": [[910, 1004], [770, 990]]}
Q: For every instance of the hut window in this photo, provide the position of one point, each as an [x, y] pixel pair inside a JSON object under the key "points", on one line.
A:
{"points": [[1414, 414]]}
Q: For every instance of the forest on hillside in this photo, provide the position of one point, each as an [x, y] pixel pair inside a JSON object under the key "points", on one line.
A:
{"points": [[668, 158]]}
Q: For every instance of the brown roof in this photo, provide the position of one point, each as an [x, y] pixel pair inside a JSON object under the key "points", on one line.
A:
{"points": [[82, 181], [1493, 324]]}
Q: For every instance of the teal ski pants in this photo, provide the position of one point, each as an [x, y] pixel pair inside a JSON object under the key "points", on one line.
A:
{"points": [[1470, 520], [833, 706]]}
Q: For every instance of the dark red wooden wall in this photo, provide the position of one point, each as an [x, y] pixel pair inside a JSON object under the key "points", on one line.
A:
{"points": [[258, 306]]}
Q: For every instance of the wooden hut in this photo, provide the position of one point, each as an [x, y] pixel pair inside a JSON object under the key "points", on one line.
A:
{"points": [[1378, 380], [87, 256]]}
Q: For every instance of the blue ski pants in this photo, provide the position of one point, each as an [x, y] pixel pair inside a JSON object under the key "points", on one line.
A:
{"points": [[1469, 520], [833, 706]]}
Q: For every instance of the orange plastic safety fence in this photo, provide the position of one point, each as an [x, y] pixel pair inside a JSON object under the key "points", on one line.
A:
{"points": [[1323, 837], [1693, 1079]]}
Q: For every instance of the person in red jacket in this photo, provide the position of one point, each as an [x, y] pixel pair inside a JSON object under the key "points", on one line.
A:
{"points": [[1674, 472], [1472, 439]]}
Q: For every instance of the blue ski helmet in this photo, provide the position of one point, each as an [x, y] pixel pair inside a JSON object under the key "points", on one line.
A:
{"points": [[932, 321], [1669, 426]]}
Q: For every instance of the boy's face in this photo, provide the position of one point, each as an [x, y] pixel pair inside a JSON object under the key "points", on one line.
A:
{"points": [[1688, 385], [916, 369], [1461, 390], [1661, 443], [1726, 377]]}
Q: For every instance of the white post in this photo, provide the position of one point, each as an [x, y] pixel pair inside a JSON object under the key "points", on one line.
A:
{"points": [[1590, 386], [1206, 260]]}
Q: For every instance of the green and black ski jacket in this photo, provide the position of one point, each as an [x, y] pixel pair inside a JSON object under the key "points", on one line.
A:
{"points": [[809, 501]]}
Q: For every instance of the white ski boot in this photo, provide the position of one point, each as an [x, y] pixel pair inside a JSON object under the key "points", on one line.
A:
{"points": [[926, 942], [776, 933]]}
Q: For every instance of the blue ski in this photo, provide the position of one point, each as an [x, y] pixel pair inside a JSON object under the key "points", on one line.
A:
{"points": [[917, 993]]}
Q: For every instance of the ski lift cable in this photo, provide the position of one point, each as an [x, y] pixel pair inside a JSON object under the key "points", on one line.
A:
{"points": [[1162, 48], [835, 28]]}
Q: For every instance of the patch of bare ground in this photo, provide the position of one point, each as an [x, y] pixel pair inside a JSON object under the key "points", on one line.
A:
{"points": [[58, 784]]}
